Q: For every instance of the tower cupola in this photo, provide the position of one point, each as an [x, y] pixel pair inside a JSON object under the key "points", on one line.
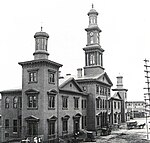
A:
{"points": [[92, 16], [41, 41]]}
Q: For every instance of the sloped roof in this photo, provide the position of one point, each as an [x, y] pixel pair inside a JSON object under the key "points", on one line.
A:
{"points": [[116, 96], [66, 80], [94, 78]]}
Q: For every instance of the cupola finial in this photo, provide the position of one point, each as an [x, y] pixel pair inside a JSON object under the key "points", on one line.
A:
{"points": [[92, 5]]}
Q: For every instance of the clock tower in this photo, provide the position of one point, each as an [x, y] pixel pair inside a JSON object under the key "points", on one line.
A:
{"points": [[93, 50]]}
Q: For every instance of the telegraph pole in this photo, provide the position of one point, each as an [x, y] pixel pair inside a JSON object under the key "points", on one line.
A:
{"points": [[147, 71]]}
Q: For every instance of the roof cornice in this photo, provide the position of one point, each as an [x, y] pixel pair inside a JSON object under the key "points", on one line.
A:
{"points": [[40, 61]]}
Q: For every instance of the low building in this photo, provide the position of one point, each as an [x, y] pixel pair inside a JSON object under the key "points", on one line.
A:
{"points": [[136, 109]]}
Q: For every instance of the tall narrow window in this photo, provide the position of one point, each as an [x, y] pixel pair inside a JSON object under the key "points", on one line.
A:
{"points": [[118, 105], [14, 126], [92, 59], [65, 102], [97, 89], [51, 129], [6, 123], [76, 102], [51, 101], [83, 122], [65, 125], [97, 103], [98, 120], [114, 105], [7, 100], [15, 102], [84, 103], [51, 76], [100, 103]]}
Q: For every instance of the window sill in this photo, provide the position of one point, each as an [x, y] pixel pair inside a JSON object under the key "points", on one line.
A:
{"points": [[64, 132], [51, 108], [76, 108], [64, 108], [32, 108], [30, 82], [51, 83]]}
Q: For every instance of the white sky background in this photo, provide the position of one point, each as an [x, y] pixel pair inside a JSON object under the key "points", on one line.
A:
{"points": [[125, 37]]}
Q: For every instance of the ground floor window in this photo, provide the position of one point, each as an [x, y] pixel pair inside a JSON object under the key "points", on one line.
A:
{"points": [[32, 128], [15, 126], [84, 122], [65, 125], [98, 120], [51, 128]]}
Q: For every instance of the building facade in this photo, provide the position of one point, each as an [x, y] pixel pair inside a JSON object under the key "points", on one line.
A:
{"points": [[123, 94], [50, 106], [136, 109]]}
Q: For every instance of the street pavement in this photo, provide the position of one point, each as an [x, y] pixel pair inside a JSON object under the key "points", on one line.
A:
{"points": [[125, 135]]}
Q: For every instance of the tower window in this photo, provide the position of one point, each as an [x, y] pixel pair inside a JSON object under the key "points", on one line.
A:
{"points": [[51, 77], [32, 76], [51, 101], [92, 59], [32, 101]]}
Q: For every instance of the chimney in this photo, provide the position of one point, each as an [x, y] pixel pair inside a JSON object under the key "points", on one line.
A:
{"points": [[79, 72]]}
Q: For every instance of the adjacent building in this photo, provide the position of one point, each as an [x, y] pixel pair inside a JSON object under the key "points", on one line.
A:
{"points": [[122, 92], [136, 109]]}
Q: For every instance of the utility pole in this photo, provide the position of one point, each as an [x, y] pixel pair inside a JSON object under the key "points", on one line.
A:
{"points": [[147, 71]]}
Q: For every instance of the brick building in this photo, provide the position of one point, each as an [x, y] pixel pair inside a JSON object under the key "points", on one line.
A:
{"points": [[50, 106], [136, 109], [122, 92]]}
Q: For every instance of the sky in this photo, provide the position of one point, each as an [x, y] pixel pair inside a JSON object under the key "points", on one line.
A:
{"points": [[125, 37]]}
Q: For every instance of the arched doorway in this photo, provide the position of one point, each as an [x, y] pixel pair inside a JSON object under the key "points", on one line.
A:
{"points": [[76, 123]]}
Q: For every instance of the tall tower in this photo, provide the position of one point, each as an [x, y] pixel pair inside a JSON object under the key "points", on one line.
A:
{"points": [[40, 90], [93, 50]]}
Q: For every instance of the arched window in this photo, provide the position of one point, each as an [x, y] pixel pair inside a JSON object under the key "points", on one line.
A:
{"points": [[7, 100], [15, 101]]}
